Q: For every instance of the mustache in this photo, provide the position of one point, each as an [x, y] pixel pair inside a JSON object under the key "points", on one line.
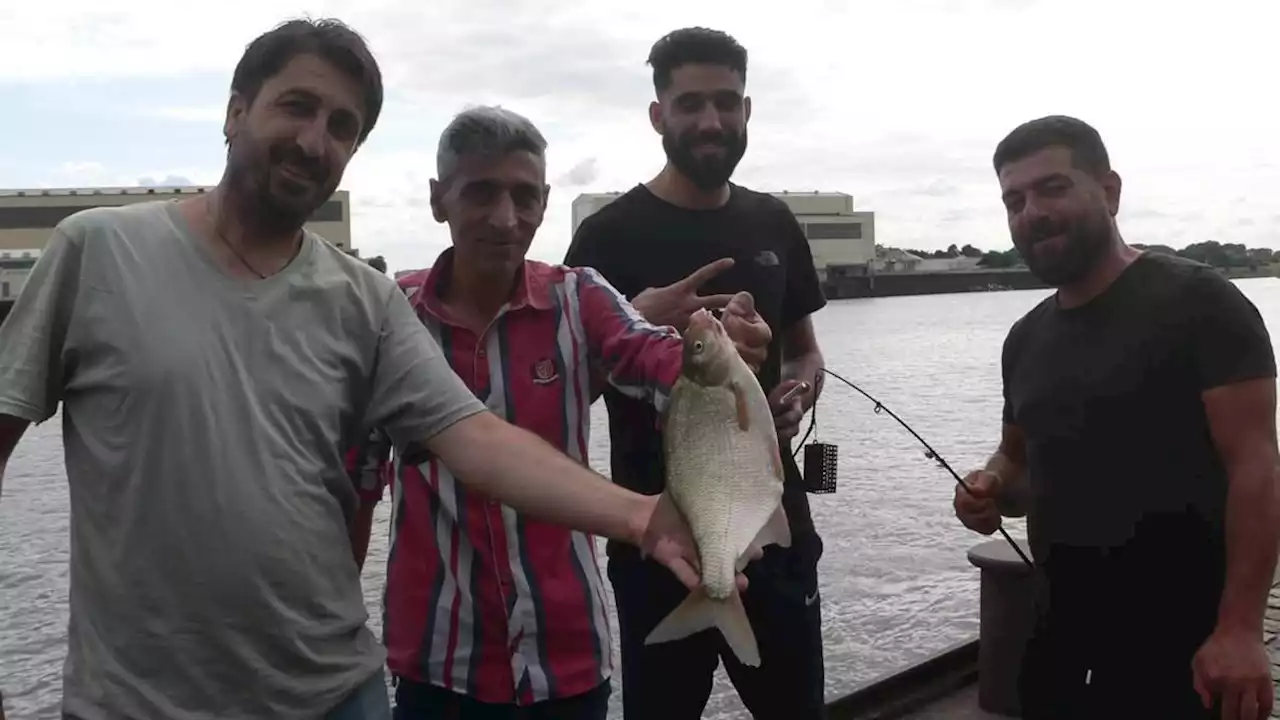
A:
{"points": [[714, 137], [1045, 228], [298, 159]]}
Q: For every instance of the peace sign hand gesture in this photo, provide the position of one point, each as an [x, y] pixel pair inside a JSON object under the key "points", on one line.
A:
{"points": [[672, 305]]}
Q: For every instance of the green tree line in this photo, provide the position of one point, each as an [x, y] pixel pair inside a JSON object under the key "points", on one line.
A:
{"points": [[1209, 252]]}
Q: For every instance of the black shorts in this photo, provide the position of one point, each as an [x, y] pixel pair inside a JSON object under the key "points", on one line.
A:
{"points": [[673, 681]]}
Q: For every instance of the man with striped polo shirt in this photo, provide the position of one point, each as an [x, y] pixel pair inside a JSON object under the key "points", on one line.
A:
{"points": [[488, 613]]}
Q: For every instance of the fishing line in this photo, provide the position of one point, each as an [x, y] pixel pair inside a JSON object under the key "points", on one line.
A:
{"points": [[930, 453]]}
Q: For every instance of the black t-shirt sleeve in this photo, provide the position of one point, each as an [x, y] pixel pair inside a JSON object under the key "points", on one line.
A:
{"points": [[1229, 342], [1006, 370], [590, 248], [583, 247], [804, 293]]}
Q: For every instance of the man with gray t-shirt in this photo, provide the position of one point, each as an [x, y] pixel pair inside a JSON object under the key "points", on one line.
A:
{"points": [[213, 360]]}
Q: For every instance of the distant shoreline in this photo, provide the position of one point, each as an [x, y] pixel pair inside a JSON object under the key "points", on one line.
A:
{"points": [[901, 284]]}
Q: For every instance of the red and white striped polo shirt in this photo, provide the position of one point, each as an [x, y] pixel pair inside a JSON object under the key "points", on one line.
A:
{"points": [[479, 599]]}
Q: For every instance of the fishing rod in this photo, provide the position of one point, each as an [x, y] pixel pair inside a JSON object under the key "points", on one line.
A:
{"points": [[930, 453]]}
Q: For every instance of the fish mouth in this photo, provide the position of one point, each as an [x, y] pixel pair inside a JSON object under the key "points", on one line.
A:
{"points": [[704, 318]]}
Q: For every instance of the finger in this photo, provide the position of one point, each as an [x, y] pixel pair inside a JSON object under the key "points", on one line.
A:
{"points": [[783, 388], [981, 485], [987, 522], [713, 302], [1266, 699], [743, 304], [684, 572], [750, 332], [791, 415], [1230, 703], [740, 579], [985, 516], [1249, 704], [696, 278]]}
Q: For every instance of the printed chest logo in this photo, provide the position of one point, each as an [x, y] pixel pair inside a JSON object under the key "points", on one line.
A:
{"points": [[544, 372], [767, 258]]}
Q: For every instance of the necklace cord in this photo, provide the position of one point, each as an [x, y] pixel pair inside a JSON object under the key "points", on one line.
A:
{"points": [[217, 231]]}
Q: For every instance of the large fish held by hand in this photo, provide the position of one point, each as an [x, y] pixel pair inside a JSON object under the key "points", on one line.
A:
{"points": [[724, 473]]}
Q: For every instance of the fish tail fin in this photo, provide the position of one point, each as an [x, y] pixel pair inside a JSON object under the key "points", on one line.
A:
{"points": [[699, 612]]}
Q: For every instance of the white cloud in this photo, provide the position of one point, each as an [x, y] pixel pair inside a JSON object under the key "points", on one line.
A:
{"points": [[898, 102], [207, 114], [166, 181]]}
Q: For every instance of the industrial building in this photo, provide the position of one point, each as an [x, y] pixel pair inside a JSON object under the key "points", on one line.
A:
{"points": [[27, 218], [14, 266], [843, 240]]}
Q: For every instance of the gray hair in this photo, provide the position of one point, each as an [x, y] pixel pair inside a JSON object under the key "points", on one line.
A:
{"points": [[486, 130]]}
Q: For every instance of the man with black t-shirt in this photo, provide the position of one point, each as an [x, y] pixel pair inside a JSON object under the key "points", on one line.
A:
{"points": [[657, 244], [1140, 441]]}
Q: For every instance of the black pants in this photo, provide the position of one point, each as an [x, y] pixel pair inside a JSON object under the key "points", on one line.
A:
{"points": [[423, 701], [1129, 629], [673, 681], [1059, 683]]}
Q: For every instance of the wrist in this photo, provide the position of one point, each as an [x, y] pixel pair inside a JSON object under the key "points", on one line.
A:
{"points": [[639, 512], [1236, 621]]}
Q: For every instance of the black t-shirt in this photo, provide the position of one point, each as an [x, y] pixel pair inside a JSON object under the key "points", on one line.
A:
{"points": [[640, 241], [1122, 465]]}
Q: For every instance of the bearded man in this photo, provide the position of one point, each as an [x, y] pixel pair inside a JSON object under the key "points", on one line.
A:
{"points": [[687, 229], [1139, 439]]}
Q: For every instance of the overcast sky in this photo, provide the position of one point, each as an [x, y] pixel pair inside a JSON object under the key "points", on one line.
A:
{"points": [[897, 102]]}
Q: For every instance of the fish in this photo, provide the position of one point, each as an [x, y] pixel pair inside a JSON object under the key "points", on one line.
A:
{"points": [[724, 474]]}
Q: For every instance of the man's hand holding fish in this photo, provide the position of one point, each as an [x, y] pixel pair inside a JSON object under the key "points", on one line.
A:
{"points": [[664, 536]]}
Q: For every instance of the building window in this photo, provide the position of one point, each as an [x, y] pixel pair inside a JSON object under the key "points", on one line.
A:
{"points": [[833, 231], [41, 217]]}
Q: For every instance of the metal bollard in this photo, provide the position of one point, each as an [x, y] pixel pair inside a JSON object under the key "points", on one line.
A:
{"points": [[1006, 620]]}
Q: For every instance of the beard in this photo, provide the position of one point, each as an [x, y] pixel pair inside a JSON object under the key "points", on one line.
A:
{"points": [[277, 201], [709, 172], [1082, 243]]}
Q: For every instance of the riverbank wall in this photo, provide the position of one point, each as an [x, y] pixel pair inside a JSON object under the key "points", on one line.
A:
{"points": [[912, 283], [843, 287]]}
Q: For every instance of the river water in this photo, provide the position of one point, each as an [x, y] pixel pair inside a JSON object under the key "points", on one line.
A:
{"points": [[896, 586]]}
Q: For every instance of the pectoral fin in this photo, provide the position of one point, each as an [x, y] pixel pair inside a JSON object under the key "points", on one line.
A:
{"points": [[740, 400], [776, 457], [776, 531]]}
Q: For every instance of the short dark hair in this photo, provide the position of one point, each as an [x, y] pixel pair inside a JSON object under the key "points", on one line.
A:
{"points": [[328, 38], [1088, 153], [694, 45]]}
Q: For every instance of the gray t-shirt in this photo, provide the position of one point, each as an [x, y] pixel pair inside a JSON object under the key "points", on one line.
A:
{"points": [[205, 420]]}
